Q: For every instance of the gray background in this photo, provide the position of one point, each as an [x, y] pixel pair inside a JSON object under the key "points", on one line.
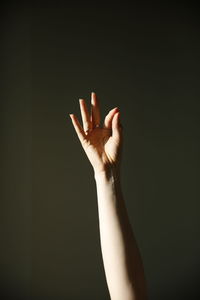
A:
{"points": [[143, 58]]}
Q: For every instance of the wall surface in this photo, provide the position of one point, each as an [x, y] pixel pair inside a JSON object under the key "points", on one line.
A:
{"points": [[143, 58]]}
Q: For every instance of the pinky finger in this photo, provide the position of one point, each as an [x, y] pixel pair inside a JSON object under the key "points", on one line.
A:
{"points": [[79, 130]]}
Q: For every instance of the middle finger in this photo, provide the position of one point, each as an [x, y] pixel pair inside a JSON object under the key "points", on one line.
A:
{"points": [[95, 110], [87, 125]]}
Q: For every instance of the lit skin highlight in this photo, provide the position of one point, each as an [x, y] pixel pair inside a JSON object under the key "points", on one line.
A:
{"points": [[121, 256]]}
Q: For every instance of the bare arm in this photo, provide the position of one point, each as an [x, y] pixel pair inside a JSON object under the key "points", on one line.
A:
{"points": [[121, 257]]}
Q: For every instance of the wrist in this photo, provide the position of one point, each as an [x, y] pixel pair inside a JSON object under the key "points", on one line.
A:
{"points": [[109, 172]]}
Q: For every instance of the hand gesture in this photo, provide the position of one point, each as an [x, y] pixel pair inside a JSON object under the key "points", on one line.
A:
{"points": [[102, 145]]}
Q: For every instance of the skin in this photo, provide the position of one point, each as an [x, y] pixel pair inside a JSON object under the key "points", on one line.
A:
{"points": [[121, 256], [101, 145]]}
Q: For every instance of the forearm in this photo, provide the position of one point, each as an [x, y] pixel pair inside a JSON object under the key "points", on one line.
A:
{"points": [[121, 257]]}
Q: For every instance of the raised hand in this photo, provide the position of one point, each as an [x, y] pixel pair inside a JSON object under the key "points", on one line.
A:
{"points": [[103, 146]]}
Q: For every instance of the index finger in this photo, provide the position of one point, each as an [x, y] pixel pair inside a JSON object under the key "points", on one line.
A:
{"points": [[78, 128]]}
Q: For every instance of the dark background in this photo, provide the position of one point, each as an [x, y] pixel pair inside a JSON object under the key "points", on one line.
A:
{"points": [[142, 57]]}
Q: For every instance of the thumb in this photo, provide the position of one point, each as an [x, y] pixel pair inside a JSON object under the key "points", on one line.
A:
{"points": [[116, 126]]}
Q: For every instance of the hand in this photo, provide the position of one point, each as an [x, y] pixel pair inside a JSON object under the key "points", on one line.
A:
{"points": [[102, 145]]}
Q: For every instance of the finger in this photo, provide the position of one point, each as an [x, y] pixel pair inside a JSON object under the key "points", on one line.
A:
{"points": [[85, 115], [109, 117], [79, 130], [116, 126], [95, 110]]}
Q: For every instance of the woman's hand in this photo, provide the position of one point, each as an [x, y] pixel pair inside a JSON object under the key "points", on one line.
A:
{"points": [[102, 146]]}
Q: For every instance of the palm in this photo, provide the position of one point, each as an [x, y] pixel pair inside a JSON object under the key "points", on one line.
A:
{"points": [[102, 145]]}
